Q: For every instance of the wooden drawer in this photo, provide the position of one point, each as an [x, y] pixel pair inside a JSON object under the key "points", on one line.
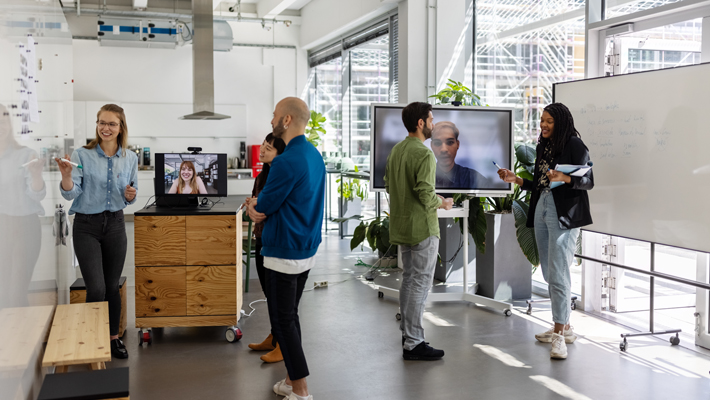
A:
{"points": [[211, 240], [160, 240], [212, 290], [160, 291]]}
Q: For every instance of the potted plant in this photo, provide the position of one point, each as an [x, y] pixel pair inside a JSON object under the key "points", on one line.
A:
{"points": [[315, 128], [352, 192], [377, 233], [457, 94]]}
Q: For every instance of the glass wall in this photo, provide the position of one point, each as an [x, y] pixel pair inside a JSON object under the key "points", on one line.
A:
{"points": [[519, 70]]}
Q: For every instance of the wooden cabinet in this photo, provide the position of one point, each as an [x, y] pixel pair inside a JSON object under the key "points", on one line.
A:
{"points": [[186, 270]]}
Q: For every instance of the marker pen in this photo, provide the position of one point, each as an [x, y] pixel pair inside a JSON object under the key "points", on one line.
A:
{"points": [[29, 162], [494, 163], [72, 163]]}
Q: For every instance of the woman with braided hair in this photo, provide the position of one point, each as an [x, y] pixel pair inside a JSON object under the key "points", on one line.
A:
{"points": [[557, 214]]}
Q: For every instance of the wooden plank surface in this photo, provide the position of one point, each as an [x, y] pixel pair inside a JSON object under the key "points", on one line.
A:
{"points": [[211, 239], [79, 296], [79, 335], [23, 330], [159, 240], [210, 320], [160, 291], [211, 290]]}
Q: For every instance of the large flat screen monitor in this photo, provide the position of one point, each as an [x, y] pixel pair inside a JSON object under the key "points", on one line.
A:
{"points": [[465, 141], [190, 175]]}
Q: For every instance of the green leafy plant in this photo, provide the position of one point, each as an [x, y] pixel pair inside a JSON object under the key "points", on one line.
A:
{"points": [[457, 92], [517, 203], [352, 187], [315, 128], [375, 230]]}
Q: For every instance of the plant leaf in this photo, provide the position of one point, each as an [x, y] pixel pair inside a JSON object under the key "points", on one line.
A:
{"points": [[526, 236], [525, 154], [477, 225], [358, 236]]}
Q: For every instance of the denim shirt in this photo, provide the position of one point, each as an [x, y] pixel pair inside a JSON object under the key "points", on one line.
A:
{"points": [[101, 184]]}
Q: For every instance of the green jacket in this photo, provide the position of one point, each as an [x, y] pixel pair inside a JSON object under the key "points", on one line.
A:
{"points": [[410, 178]]}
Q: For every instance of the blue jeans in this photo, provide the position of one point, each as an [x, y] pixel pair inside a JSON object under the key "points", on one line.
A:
{"points": [[556, 246], [419, 262]]}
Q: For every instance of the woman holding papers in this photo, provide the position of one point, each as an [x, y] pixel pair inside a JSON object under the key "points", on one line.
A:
{"points": [[102, 180], [559, 206]]}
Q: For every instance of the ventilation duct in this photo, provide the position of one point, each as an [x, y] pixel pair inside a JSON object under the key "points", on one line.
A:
{"points": [[203, 63]]}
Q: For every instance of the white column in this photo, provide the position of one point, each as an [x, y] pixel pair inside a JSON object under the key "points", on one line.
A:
{"points": [[412, 51], [593, 43], [705, 41]]}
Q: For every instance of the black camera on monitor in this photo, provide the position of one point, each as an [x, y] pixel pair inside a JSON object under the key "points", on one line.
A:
{"points": [[195, 150]]}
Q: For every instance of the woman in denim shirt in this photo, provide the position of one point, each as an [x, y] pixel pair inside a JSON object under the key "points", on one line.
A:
{"points": [[102, 186]]}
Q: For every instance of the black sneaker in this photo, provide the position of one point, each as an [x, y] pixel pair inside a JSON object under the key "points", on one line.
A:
{"points": [[118, 349], [423, 352]]}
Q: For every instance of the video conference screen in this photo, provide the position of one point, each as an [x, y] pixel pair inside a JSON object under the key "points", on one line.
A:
{"points": [[191, 174], [465, 142]]}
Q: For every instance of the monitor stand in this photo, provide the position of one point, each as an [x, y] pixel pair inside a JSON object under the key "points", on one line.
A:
{"points": [[176, 201]]}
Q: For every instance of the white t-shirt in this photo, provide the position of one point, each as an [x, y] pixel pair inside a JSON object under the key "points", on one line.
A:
{"points": [[291, 267]]}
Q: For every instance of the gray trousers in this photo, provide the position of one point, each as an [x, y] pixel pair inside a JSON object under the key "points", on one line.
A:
{"points": [[419, 262]]}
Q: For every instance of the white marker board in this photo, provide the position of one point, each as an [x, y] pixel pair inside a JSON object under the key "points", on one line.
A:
{"points": [[649, 138]]}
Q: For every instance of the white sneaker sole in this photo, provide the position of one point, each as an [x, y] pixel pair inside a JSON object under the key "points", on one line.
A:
{"points": [[558, 356], [282, 389], [568, 339]]}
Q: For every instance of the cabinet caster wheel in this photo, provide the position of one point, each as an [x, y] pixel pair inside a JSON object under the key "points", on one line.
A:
{"points": [[623, 346], [145, 336], [398, 317], [574, 305], [507, 313], [233, 334], [675, 340], [529, 310], [380, 295]]}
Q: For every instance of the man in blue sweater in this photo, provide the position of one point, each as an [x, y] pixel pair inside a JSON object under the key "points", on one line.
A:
{"points": [[291, 205]]}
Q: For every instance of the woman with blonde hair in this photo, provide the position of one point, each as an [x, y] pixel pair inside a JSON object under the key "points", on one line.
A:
{"points": [[188, 182], [102, 183]]}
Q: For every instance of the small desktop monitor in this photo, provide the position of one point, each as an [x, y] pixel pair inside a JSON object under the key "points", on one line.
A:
{"points": [[185, 175], [466, 141]]}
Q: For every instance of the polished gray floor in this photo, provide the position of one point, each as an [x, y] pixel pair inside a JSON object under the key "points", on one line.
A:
{"points": [[352, 342]]}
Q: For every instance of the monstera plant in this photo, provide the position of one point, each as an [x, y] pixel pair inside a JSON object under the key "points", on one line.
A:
{"points": [[315, 128], [517, 203]]}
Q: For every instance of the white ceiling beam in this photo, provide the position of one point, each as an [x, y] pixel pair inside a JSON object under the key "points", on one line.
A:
{"points": [[272, 8], [140, 4]]}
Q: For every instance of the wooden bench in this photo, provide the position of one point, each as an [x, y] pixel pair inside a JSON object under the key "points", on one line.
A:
{"points": [[77, 294], [79, 335], [90, 385]]}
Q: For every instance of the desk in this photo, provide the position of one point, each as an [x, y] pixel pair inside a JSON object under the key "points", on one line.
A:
{"points": [[186, 267], [461, 212]]}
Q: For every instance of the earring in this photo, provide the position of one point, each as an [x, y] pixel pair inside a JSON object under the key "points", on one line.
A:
{"points": [[285, 126]]}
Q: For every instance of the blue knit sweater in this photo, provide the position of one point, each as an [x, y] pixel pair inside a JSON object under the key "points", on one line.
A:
{"points": [[292, 200]]}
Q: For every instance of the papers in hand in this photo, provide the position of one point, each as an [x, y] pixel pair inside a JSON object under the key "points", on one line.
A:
{"points": [[571, 170]]}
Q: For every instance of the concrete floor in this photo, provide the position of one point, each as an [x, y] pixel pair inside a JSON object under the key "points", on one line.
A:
{"points": [[352, 342]]}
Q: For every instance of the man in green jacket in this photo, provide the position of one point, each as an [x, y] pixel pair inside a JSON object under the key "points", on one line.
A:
{"points": [[410, 177]]}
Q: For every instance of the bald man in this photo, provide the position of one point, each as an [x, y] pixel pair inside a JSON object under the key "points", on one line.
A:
{"points": [[445, 144], [291, 206]]}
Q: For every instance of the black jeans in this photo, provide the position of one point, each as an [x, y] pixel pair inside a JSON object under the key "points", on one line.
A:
{"points": [[261, 272], [100, 245], [284, 294]]}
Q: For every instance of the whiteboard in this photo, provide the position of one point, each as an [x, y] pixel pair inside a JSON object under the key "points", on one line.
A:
{"points": [[649, 138]]}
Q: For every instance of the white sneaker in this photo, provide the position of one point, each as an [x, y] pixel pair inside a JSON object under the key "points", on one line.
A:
{"points": [[293, 396], [546, 337], [281, 388], [559, 348]]}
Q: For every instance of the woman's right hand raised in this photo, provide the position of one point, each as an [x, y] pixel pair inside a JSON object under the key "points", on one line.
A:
{"points": [[507, 175], [64, 167]]}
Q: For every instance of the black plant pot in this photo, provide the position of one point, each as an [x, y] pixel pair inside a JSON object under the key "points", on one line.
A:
{"points": [[456, 103]]}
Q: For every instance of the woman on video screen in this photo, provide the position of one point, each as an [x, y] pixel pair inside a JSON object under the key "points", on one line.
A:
{"points": [[188, 182]]}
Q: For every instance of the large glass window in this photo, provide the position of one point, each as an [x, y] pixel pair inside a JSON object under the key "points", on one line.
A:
{"points": [[325, 97], [623, 7], [518, 71]]}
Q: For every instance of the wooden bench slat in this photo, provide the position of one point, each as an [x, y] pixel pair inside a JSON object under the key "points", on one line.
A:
{"points": [[22, 332], [79, 335]]}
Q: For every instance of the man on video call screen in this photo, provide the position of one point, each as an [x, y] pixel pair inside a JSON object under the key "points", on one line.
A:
{"points": [[445, 145]]}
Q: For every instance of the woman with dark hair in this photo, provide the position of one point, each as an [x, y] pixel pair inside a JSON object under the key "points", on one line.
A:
{"points": [[101, 183], [271, 148], [557, 214]]}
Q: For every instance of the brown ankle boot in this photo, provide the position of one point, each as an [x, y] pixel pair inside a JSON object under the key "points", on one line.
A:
{"points": [[273, 356], [266, 345]]}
